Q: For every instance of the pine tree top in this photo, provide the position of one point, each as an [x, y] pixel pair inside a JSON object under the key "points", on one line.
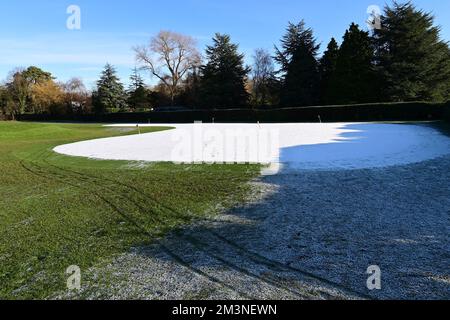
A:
{"points": [[108, 76], [223, 55], [136, 80], [297, 38]]}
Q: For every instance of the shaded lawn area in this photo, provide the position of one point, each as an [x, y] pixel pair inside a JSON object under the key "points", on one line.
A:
{"points": [[57, 211]]}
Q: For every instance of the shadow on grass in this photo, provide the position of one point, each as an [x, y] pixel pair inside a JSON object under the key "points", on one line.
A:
{"points": [[316, 234]]}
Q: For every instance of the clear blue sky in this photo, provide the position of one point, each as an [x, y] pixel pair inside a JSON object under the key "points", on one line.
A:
{"points": [[33, 32]]}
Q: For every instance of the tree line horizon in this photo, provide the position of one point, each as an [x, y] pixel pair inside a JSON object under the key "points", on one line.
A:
{"points": [[403, 60]]}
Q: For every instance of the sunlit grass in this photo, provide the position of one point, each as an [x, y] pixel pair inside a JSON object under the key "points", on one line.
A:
{"points": [[57, 211]]}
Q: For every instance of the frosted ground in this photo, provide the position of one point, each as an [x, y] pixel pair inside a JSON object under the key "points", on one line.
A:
{"points": [[294, 146], [354, 195]]}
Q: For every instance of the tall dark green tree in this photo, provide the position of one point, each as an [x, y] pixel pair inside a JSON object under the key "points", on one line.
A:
{"points": [[327, 69], [413, 60], [138, 94], [224, 75], [189, 95], [289, 44], [299, 66], [354, 79], [136, 80], [110, 93]]}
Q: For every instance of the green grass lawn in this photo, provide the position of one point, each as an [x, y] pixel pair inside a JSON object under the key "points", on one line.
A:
{"points": [[57, 211]]}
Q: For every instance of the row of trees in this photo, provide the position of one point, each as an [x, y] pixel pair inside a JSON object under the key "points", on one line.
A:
{"points": [[36, 91], [33, 90], [404, 60]]}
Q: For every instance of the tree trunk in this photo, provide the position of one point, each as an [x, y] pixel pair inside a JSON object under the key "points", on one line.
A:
{"points": [[172, 99], [172, 96]]}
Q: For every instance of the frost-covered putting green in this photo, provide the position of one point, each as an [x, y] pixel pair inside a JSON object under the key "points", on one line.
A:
{"points": [[293, 146], [57, 211]]}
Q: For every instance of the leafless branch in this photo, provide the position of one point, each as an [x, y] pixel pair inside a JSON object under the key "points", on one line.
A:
{"points": [[168, 57]]}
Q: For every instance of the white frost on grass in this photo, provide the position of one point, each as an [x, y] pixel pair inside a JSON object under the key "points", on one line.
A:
{"points": [[300, 146]]}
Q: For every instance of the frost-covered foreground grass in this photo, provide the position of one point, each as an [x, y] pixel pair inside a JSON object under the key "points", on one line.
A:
{"points": [[57, 211], [309, 234], [163, 231]]}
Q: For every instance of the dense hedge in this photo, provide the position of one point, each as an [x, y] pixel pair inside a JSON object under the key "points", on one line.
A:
{"points": [[447, 112], [410, 111]]}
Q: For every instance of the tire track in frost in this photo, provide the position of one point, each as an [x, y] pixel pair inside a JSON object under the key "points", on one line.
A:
{"points": [[174, 256], [273, 265], [230, 265]]}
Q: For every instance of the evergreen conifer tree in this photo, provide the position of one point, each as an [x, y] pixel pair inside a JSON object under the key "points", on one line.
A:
{"points": [[138, 94], [354, 79], [224, 76], [110, 93], [299, 66], [413, 61], [136, 81], [327, 69]]}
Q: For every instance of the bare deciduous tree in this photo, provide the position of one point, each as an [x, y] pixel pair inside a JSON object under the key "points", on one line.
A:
{"points": [[263, 73], [76, 95], [169, 56]]}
